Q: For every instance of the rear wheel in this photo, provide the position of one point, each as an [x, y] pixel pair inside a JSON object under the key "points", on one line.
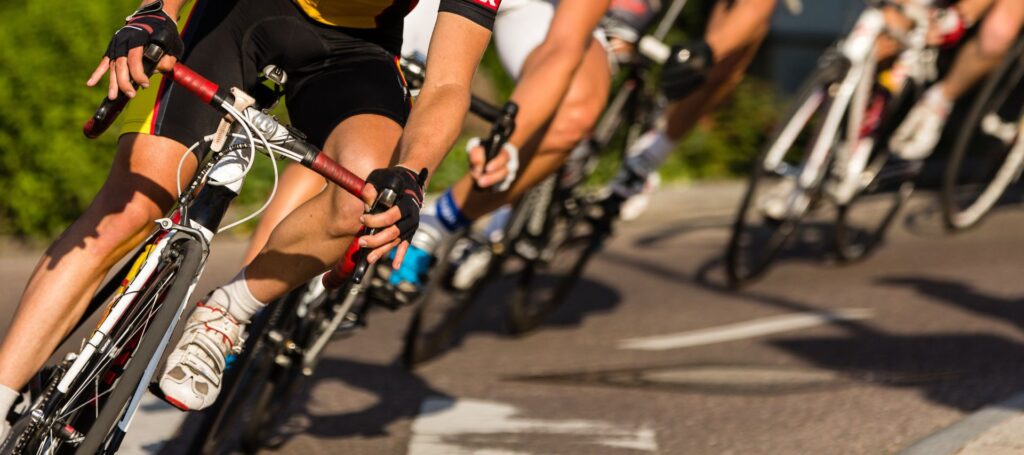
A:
{"points": [[882, 187], [449, 294], [547, 256], [988, 158], [776, 202]]}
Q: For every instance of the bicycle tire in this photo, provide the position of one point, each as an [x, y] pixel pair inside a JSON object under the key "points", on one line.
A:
{"points": [[190, 254], [271, 381], [862, 222], [567, 236], [217, 424], [961, 208], [751, 224], [442, 309]]}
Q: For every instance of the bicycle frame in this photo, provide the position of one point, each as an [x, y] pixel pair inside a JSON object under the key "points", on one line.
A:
{"points": [[225, 162], [850, 98]]}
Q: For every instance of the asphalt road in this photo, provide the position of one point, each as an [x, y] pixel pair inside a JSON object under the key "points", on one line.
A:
{"points": [[653, 355]]}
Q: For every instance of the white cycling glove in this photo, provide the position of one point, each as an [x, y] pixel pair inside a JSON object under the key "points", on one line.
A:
{"points": [[512, 167]]}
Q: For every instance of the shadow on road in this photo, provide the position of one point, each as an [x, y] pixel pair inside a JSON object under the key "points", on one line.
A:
{"points": [[396, 395], [962, 371], [489, 313]]}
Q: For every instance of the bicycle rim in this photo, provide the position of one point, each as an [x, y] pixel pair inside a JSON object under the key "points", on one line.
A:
{"points": [[757, 236], [435, 324], [179, 283], [988, 159], [546, 266]]}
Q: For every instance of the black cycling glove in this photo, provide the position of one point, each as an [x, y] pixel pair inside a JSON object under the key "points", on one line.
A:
{"points": [[409, 187], [686, 69], [147, 24]]}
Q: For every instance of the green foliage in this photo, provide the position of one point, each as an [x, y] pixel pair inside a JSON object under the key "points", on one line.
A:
{"points": [[48, 171], [726, 145]]}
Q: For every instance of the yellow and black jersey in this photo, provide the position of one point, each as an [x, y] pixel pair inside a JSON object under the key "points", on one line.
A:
{"points": [[386, 14]]}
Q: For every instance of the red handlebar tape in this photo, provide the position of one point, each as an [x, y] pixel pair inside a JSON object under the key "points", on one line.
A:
{"points": [[197, 84]]}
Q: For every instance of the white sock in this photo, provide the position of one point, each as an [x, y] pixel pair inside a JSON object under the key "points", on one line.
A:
{"points": [[7, 398], [643, 158], [236, 299]]}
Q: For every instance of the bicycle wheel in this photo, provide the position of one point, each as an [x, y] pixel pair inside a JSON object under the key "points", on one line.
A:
{"points": [[447, 298], [219, 424], [275, 370], [989, 156], [881, 188], [144, 339], [548, 255], [758, 233]]}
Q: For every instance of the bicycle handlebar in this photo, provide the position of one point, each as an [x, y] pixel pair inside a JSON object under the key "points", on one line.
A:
{"points": [[504, 124], [110, 108]]}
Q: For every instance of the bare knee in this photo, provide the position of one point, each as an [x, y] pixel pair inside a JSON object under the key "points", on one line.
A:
{"points": [[572, 125], [997, 35], [345, 212]]}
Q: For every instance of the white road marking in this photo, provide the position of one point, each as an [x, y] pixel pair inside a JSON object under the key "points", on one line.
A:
{"points": [[154, 425], [742, 330], [460, 427]]}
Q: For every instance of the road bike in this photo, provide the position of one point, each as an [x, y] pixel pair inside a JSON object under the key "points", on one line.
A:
{"points": [[989, 156], [543, 243], [86, 403], [287, 339], [833, 147]]}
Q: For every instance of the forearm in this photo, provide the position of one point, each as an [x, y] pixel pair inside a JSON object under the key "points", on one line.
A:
{"points": [[738, 27], [424, 143]]}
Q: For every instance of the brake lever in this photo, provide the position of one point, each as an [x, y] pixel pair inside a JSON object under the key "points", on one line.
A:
{"points": [[501, 131], [385, 200]]}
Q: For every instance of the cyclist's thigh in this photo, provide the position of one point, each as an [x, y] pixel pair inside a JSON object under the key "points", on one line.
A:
{"points": [[362, 78], [143, 176], [520, 27]]}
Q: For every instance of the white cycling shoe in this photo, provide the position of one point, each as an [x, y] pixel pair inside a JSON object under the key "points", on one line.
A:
{"points": [[917, 136], [192, 376]]}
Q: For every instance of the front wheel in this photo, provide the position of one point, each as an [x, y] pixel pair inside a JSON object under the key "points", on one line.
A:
{"points": [[779, 195], [548, 255], [988, 157]]}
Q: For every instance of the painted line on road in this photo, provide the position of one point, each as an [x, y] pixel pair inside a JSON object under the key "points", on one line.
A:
{"points": [[448, 426], [743, 330]]}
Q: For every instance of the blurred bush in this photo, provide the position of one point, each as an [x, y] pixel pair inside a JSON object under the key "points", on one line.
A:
{"points": [[48, 170]]}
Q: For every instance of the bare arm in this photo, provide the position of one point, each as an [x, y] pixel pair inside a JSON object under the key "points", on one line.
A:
{"points": [[437, 116]]}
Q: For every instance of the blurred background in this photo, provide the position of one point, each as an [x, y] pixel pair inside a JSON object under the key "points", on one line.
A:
{"points": [[49, 172]]}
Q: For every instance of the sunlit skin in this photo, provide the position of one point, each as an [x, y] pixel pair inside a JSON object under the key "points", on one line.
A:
{"points": [[566, 77], [140, 186]]}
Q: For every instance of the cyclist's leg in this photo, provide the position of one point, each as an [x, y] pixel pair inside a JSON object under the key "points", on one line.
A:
{"points": [[353, 108], [735, 51], [139, 189], [296, 253], [999, 29], [918, 135], [297, 186], [574, 119]]}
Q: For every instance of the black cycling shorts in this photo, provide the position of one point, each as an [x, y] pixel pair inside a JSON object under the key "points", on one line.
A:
{"points": [[332, 75]]}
